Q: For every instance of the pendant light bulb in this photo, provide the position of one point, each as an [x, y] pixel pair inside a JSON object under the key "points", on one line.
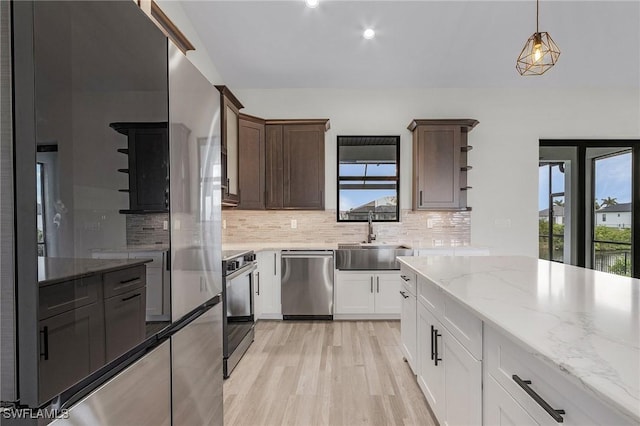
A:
{"points": [[537, 48]]}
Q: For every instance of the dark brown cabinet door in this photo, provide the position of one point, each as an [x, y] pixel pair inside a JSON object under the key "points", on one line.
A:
{"points": [[148, 170], [274, 167], [229, 130], [251, 164], [437, 165], [124, 317], [71, 347], [303, 162], [440, 163]]}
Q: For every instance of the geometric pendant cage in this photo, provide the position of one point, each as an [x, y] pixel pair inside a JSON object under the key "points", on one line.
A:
{"points": [[539, 53]]}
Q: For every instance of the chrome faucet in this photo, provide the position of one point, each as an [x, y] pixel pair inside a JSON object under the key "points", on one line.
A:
{"points": [[370, 235]]}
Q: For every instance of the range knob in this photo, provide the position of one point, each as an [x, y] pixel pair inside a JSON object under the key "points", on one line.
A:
{"points": [[250, 257], [232, 265]]}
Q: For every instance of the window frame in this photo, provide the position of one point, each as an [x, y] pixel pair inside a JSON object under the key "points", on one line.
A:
{"points": [[396, 178]]}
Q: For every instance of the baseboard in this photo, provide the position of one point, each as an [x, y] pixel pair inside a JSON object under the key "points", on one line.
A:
{"points": [[366, 317]]}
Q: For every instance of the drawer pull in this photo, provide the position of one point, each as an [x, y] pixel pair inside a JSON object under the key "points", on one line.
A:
{"points": [[433, 354], [404, 294], [371, 284], [405, 278], [130, 280], [435, 339], [131, 297], [524, 384]]}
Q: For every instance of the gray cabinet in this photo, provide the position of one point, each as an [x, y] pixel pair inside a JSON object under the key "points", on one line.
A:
{"points": [[71, 326], [440, 163], [124, 310]]}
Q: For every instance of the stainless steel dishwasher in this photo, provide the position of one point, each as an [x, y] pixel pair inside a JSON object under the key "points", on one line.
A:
{"points": [[307, 284]]}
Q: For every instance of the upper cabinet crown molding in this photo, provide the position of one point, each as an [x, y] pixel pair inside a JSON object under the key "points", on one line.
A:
{"points": [[226, 92], [166, 25], [466, 123], [252, 118], [319, 121]]}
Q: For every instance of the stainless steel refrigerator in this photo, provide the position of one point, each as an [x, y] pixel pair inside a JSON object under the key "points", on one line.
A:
{"points": [[72, 57]]}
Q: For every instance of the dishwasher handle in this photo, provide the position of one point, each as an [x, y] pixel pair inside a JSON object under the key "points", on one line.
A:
{"points": [[306, 254]]}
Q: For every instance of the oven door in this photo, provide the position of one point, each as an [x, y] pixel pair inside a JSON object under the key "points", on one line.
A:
{"points": [[238, 307]]}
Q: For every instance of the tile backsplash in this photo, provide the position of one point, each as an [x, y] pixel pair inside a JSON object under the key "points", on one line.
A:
{"points": [[416, 228], [145, 229]]}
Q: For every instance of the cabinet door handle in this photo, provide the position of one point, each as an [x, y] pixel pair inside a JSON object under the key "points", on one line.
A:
{"points": [[130, 280], [404, 277], [435, 340], [131, 297], [524, 384], [432, 346], [274, 264], [404, 294], [377, 284], [45, 343], [228, 191], [258, 283], [420, 197], [371, 284]]}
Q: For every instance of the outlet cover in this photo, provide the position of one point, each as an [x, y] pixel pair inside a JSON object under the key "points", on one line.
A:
{"points": [[294, 224], [224, 223], [165, 225], [429, 223]]}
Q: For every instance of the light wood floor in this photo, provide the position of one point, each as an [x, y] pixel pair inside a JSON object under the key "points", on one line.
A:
{"points": [[324, 373]]}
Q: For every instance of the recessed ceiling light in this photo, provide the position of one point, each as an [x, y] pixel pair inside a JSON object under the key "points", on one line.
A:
{"points": [[312, 3], [369, 33]]}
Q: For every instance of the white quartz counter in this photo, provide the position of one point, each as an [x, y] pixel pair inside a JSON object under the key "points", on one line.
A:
{"points": [[583, 322]]}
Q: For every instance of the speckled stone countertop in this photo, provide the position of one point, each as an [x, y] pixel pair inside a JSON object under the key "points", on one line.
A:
{"points": [[52, 270], [583, 322]]}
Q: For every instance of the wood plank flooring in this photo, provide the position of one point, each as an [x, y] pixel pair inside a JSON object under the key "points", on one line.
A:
{"points": [[324, 373]]}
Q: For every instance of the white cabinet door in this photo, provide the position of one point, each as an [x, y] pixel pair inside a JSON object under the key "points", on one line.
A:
{"points": [[387, 293], [354, 293], [269, 268], [408, 325], [462, 382], [500, 409], [430, 376]]}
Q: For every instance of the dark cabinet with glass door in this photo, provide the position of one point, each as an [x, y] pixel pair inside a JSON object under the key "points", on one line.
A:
{"points": [[230, 127]]}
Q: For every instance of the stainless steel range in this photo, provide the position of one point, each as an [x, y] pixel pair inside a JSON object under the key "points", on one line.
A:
{"points": [[237, 327]]}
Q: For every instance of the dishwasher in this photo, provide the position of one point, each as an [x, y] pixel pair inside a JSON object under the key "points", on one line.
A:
{"points": [[307, 284]]}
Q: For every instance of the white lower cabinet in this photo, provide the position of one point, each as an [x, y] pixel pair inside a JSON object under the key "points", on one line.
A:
{"points": [[408, 327], [449, 375], [367, 294], [267, 290], [500, 409]]}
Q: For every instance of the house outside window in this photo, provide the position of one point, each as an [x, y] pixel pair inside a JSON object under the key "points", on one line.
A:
{"points": [[368, 178]]}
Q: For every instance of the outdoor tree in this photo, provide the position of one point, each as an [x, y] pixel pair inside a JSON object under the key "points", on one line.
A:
{"points": [[609, 201]]}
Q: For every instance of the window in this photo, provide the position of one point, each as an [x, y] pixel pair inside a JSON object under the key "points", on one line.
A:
{"points": [[551, 214], [604, 217], [368, 178]]}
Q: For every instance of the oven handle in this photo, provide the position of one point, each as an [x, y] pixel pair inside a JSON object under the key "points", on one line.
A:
{"points": [[244, 270]]}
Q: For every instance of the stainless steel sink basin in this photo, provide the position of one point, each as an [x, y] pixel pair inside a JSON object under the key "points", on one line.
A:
{"points": [[363, 257]]}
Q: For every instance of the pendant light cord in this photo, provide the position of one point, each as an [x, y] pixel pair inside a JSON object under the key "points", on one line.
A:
{"points": [[537, 15]]}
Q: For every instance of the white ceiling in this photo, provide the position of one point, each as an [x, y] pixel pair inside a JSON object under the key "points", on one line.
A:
{"points": [[428, 44]]}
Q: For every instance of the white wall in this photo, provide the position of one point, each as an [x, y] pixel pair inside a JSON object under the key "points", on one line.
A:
{"points": [[505, 156]]}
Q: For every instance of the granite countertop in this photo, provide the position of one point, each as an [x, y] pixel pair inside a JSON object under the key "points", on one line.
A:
{"points": [[52, 270], [584, 323], [133, 248]]}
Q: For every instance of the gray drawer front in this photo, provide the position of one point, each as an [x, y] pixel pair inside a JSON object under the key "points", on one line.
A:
{"points": [[124, 280], [65, 296]]}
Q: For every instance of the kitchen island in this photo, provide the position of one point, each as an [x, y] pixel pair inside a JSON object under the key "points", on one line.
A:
{"points": [[577, 331]]}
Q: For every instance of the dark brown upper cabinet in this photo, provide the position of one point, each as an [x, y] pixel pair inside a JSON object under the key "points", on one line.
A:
{"points": [[294, 164], [440, 163], [230, 129], [251, 163], [148, 166]]}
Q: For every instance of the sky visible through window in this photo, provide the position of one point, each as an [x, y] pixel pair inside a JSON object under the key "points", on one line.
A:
{"points": [[613, 179]]}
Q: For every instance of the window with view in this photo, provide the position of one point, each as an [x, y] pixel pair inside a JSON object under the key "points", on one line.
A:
{"points": [[368, 178]]}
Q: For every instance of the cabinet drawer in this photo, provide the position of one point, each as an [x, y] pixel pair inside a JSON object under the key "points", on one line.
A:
{"points": [[62, 297], [430, 296], [505, 359], [123, 280], [463, 325], [124, 317], [409, 279]]}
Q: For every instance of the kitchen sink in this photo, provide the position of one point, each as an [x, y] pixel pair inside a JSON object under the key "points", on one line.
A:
{"points": [[370, 256]]}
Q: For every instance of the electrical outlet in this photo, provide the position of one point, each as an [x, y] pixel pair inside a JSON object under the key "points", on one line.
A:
{"points": [[224, 223], [429, 223], [294, 224], [165, 225]]}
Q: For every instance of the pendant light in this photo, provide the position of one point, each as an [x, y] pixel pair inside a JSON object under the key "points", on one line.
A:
{"points": [[539, 53]]}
